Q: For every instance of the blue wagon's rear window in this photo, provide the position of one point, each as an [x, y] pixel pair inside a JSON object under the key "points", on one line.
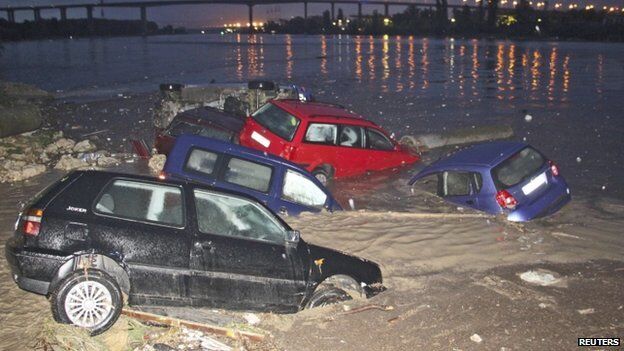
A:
{"points": [[517, 168], [276, 120]]}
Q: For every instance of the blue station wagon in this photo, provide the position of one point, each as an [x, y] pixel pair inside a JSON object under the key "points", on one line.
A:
{"points": [[499, 177], [279, 184]]}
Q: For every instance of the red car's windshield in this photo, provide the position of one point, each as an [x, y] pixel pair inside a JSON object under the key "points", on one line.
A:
{"points": [[276, 120]]}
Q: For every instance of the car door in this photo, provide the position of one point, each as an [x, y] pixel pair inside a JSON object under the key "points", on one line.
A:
{"points": [[382, 152], [461, 187], [318, 146], [240, 257], [351, 154], [143, 224]]}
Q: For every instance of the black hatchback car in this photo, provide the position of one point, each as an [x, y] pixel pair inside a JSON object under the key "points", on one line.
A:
{"points": [[94, 235]]}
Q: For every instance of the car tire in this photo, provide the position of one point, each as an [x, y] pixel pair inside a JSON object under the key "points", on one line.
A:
{"points": [[322, 176], [327, 295], [91, 300]]}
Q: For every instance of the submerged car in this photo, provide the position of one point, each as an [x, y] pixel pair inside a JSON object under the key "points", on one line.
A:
{"points": [[323, 138], [499, 177], [95, 235], [204, 121], [279, 184]]}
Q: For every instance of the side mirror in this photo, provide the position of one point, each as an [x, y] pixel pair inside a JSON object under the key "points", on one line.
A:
{"points": [[292, 237]]}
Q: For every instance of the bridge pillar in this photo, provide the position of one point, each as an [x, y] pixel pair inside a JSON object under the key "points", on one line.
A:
{"points": [[144, 20], [11, 16], [333, 13], [63, 11], [386, 10], [37, 14], [89, 12], [251, 28], [359, 12]]}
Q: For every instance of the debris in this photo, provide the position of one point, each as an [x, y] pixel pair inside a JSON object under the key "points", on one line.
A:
{"points": [[368, 307], [106, 161], [230, 333], [476, 338], [586, 311], [65, 145], [251, 318], [540, 277], [157, 163], [528, 118], [565, 235], [424, 142]]}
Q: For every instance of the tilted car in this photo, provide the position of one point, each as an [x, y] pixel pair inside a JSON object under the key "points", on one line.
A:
{"points": [[204, 121], [505, 177], [325, 139], [281, 185], [94, 235]]}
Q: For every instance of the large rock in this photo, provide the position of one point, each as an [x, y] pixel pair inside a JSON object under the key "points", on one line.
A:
{"points": [[19, 119], [25, 172], [157, 163], [84, 146], [67, 163], [65, 145], [105, 161]]}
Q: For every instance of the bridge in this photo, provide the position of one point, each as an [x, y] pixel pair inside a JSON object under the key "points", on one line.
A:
{"points": [[142, 6]]}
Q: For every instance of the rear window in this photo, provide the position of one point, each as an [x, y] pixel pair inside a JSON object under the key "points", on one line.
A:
{"points": [[143, 202], [517, 168], [278, 121], [248, 174], [183, 127]]}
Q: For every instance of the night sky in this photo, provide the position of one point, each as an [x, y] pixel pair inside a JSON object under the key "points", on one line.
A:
{"points": [[198, 16]]}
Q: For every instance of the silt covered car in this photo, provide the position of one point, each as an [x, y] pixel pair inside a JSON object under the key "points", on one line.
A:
{"points": [[95, 235]]}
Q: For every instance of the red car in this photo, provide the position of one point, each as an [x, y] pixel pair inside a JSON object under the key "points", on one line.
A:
{"points": [[325, 139]]}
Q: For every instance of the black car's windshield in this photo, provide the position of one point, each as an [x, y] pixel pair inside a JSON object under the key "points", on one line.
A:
{"points": [[517, 168], [277, 121]]}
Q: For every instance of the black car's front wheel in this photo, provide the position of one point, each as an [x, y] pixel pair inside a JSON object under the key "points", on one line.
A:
{"points": [[91, 300], [327, 295]]}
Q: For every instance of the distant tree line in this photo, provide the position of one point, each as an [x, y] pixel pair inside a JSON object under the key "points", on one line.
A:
{"points": [[54, 28], [484, 20]]}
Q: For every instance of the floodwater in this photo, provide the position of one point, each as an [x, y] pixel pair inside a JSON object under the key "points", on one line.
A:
{"points": [[571, 90]]}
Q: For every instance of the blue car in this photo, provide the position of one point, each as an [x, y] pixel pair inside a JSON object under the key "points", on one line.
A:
{"points": [[505, 177], [279, 184]]}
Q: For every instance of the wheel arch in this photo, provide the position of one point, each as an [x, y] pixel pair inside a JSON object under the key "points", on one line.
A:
{"points": [[92, 261]]}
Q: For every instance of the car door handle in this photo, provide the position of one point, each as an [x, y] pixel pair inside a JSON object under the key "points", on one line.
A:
{"points": [[203, 245]]}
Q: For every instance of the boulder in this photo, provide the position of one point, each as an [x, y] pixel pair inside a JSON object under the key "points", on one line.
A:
{"points": [[67, 163], [65, 145], [84, 146], [25, 172], [51, 149]]}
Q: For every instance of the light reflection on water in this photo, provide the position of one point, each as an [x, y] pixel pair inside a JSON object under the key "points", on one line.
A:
{"points": [[408, 85]]}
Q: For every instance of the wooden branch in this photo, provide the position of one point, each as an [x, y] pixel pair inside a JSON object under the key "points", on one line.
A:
{"points": [[175, 322]]}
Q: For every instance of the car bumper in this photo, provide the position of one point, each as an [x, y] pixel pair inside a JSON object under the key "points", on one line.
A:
{"points": [[549, 203], [31, 271]]}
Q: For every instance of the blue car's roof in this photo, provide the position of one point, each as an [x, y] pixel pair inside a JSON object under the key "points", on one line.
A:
{"points": [[484, 155], [184, 142]]}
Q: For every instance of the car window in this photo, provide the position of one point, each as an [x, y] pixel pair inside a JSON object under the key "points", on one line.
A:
{"points": [[456, 183], [215, 133], [322, 133], [182, 127], [201, 161], [142, 201], [300, 189], [517, 168], [237, 217], [378, 141], [351, 136], [248, 174], [276, 120]]}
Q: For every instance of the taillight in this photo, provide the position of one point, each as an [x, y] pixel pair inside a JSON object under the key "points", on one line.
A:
{"points": [[553, 168], [506, 200], [32, 222]]}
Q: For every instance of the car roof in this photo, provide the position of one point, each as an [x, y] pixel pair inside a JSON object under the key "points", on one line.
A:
{"points": [[487, 154], [321, 111], [211, 116], [140, 177], [186, 141]]}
